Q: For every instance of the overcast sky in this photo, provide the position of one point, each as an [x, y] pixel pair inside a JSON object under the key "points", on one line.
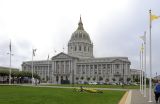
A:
{"points": [[114, 27]]}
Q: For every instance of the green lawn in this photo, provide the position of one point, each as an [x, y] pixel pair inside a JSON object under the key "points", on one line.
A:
{"points": [[35, 95], [97, 86]]}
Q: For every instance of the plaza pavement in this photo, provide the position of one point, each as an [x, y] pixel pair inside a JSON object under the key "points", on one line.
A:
{"points": [[138, 98]]}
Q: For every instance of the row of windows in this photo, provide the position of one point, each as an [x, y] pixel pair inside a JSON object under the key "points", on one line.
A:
{"points": [[80, 35], [79, 48], [91, 71], [103, 66]]}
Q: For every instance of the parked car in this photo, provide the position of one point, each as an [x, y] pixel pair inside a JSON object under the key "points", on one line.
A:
{"points": [[113, 83], [85, 83], [100, 83], [94, 83]]}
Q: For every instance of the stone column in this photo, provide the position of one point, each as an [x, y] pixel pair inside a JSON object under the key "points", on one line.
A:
{"points": [[64, 67], [72, 73], [93, 70], [97, 73], [59, 79], [102, 70], [127, 69], [56, 67], [70, 66], [126, 74], [81, 70], [113, 69], [86, 73], [42, 72], [121, 69], [85, 70]]}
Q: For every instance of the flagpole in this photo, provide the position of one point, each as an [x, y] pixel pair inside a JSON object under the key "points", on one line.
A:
{"points": [[48, 68], [32, 65], [140, 73], [10, 53], [150, 56], [142, 70], [144, 64]]}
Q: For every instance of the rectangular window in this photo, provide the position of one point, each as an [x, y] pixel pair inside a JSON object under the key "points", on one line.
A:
{"points": [[108, 66], [79, 48], [95, 66], [117, 66], [104, 66]]}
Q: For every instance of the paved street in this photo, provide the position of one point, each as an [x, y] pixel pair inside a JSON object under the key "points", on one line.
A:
{"points": [[137, 98]]}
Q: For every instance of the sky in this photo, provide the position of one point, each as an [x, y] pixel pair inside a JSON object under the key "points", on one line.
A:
{"points": [[114, 27]]}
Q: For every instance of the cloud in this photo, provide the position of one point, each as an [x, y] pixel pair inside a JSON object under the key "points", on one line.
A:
{"points": [[114, 27]]}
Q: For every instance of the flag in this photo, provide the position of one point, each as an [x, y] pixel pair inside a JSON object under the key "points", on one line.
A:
{"points": [[34, 50], [10, 46], [143, 37], [142, 48], [154, 17], [48, 57], [63, 48]]}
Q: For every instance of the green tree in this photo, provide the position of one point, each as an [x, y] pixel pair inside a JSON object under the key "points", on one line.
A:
{"points": [[88, 78], [113, 79], [136, 80], [121, 79], [128, 79], [3, 74], [94, 78], [82, 78], [107, 80]]}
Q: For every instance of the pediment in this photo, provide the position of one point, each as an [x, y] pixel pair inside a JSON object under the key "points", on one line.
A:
{"points": [[62, 56], [117, 60]]}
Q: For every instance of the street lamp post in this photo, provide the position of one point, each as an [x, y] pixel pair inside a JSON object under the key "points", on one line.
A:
{"points": [[33, 54]]}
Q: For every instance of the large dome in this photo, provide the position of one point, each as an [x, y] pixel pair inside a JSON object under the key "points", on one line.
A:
{"points": [[80, 35], [80, 44]]}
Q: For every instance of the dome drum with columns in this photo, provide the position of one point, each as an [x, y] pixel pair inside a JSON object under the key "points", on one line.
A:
{"points": [[79, 64], [80, 44]]}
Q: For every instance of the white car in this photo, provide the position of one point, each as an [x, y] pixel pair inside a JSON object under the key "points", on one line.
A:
{"points": [[94, 83]]}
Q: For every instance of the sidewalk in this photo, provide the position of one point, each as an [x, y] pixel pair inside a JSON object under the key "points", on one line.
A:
{"points": [[138, 98]]}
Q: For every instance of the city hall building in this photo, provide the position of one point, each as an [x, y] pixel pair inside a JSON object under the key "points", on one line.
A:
{"points": [[79, 65]]}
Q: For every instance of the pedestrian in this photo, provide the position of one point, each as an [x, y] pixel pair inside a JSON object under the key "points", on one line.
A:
{"points": [[157, 91]]}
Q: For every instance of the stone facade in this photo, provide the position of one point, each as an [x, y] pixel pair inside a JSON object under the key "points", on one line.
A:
{"points": [[79, 65], [135, 74]]}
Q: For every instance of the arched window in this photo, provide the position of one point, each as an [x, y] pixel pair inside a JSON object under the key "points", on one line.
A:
{"points": [[76, 36], [84, 36], [80, 35], [84, 48], [75, 48], [79, 48]]}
